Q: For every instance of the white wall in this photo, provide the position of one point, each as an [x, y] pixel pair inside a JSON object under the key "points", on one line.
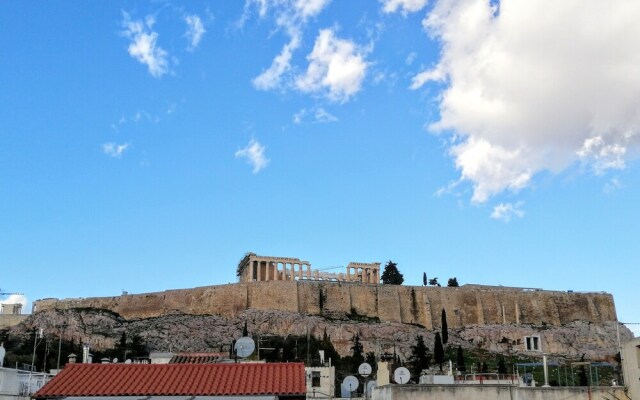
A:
{"points": [[493, 392], [631, 367]]}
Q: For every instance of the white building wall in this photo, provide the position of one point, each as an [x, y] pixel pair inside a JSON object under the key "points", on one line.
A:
{"points": [[631, 367], [493, 392], [326, 389]]}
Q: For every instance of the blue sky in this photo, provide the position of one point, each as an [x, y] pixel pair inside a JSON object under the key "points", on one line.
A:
{"points": [[148, 146]]}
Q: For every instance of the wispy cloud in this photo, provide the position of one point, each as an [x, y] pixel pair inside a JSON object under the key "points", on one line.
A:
{"points": [[405, 6], [290, 16], [613, 185], [318, 115], [271, 77], [336, 68], [323, 116], [254, 154], [143, 46], [114, 150], [506, 211], [195, 31], [410, 58]]}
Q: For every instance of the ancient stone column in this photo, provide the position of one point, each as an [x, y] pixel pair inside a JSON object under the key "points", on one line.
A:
{"points": [[348, 273]]}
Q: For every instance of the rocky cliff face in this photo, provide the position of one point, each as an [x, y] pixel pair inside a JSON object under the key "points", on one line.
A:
{"points": [[185, 332], [468, 305]]}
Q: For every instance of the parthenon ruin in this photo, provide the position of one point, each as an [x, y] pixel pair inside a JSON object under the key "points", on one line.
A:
{"points": [[265, 268]]}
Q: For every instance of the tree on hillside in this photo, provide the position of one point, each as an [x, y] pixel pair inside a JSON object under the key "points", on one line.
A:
{"points": [[502, 365], [582, 374], [245, 331], [357, 350], [121, 347], [438, 350], [391, 275], [453, 282], [138, 347], [445, 328], [420, 358], [434, 281], [424, 279], [329, 351], [460, 360]]}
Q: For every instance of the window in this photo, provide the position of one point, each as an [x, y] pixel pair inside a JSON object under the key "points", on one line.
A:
{"points": [[315, 378], [532, 343]]}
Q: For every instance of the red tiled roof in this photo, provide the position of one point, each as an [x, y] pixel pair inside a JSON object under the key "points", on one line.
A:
{"points": [[176, 380]]}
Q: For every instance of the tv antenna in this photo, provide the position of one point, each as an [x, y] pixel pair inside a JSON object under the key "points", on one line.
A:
{"points": [[244, 347], [401, 375]]}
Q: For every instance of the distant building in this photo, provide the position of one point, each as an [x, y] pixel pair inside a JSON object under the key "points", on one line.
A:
{"points": [[11, 314], [253, 268]]}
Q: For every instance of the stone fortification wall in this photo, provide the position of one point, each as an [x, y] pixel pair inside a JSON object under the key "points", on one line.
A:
{"points": [[465, 306], [9, 320]]}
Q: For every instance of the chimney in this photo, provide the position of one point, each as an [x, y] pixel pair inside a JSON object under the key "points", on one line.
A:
{"points": [[85, 353], [72, 358]]}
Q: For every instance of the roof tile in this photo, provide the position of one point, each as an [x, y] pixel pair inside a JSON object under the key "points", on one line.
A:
{"points": [[176, 380]]}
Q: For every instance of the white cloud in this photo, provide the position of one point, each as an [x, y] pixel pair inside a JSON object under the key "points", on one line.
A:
{"points": [[143, 45], [322, 116], [613, 185], [411, 58], [254, 155], [299, 116], [506, 211], [290, 16], [309, 8], [535, 86], [195, 31], [319, 116], [114, 150], [406, 6], [271, 77], [336, 68], [603, 156]]}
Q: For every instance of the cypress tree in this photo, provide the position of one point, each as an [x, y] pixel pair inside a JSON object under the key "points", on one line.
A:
{"points": [[438, 350], [420, 357], [445, 328], [460, 360]]}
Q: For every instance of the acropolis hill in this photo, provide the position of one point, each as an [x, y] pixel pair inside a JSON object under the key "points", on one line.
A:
{"points": [[269, 284]]}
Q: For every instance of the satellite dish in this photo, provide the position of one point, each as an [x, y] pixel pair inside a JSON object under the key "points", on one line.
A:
{"points": [[115, 360], [370, 386], [401, 375], [351, 382], [244, 347], [128, 361], [364, 369]]}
